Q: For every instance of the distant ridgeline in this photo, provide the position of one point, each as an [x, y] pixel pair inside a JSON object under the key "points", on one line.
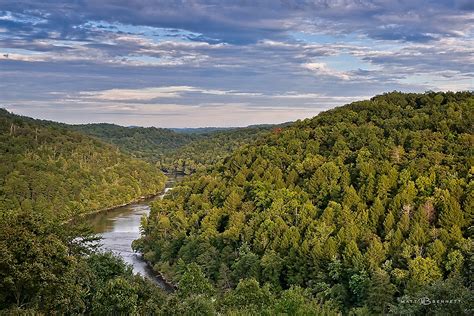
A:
{"points": [[149, 143], [367, 206], [46, 167], [211, 148], [176, 150]]}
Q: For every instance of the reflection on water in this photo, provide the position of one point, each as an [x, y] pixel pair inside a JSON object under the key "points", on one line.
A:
{"points": [[121, 226]]}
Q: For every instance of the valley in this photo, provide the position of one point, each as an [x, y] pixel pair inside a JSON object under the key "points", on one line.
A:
{"points": [[349, 212]]}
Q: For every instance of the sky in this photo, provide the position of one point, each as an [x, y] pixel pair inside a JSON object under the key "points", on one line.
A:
{"points": [[195, 63]]}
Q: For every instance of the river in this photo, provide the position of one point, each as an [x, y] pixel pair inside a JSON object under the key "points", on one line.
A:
{"points": [[120, 226]]}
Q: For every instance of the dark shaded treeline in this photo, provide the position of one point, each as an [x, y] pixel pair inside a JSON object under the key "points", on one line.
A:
{"points": [[148, 143]]}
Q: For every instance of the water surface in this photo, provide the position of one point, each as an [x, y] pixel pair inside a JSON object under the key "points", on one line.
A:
{"points": [[119, 227]]}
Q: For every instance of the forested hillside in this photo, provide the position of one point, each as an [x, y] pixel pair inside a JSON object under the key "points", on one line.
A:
{"points": [[46, 167], [185, 151], [49, 265], [365, 207], [210, 148], [149, 143]]}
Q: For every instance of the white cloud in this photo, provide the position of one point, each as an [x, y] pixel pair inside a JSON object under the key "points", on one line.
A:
{"points": [[295, 95], [146, 94], [138, 94], [323, 69]]}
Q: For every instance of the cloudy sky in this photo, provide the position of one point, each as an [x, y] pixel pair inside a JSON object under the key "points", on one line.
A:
{"points": [[188, 63]]}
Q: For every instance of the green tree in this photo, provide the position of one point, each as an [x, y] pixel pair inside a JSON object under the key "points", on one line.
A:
{"points": [[423, 271], [247, 265], [449, 209], [249, 296], [194, 282], [117, 297], [381, 292]]}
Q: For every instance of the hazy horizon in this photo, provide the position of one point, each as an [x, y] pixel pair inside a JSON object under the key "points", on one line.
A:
{"points": [[144, 126]]}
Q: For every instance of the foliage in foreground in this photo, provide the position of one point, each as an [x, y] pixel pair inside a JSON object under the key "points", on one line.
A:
{"points": [[48, 267]]}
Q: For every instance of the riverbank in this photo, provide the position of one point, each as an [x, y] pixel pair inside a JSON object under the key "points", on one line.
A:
{"points": [[115, 207], [170, 178], [163, 282], [118, 227]]}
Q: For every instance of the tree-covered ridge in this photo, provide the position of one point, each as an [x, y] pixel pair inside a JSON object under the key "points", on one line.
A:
{"points": [[49, 168], [149, 143], [210, 148], [365, 206], [185, 151]]}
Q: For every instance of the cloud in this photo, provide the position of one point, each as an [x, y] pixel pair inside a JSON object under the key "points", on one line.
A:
{"points": [[163, 57], [137, 94], [244, 22], [323, 69], [147, 94], [449, 54]]}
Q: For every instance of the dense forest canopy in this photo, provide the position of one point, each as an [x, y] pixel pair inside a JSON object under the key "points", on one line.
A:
{"points": [[46, 167], [49, 267], [364, 207]]}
